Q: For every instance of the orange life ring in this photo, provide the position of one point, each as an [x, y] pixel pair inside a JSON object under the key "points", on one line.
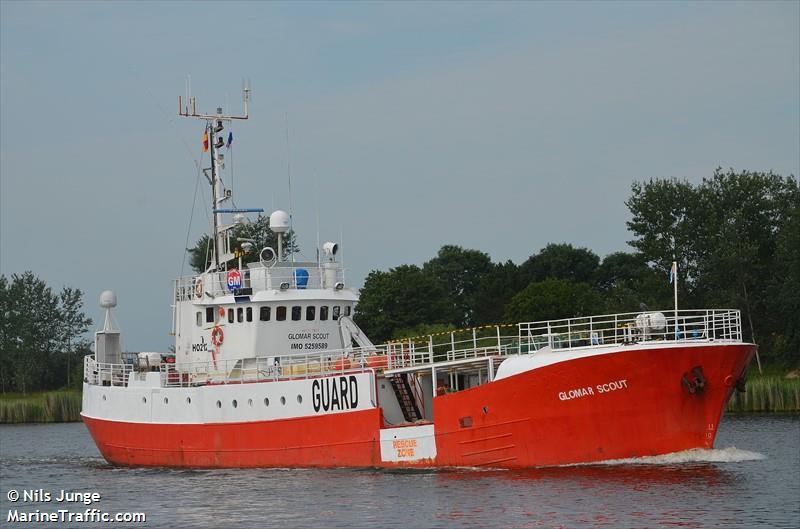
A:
{"points": [[217, 336], [198, 287]]}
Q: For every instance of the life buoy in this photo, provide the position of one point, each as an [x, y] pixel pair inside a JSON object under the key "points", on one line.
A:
{"points": [[217, 336], [198, 287]]}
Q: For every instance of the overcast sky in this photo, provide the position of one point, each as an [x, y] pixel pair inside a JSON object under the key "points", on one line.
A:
{"points": [[497, 126]]}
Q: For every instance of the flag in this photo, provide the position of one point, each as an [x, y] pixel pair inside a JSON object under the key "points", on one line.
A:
{"points": [[230, 139], [673, 272], [205, 141]]}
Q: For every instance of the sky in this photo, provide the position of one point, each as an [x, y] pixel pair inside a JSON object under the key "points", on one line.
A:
{"points": [[495, 126]]}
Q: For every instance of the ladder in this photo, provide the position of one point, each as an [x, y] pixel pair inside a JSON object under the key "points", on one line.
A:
{"points": [[405, 397]]}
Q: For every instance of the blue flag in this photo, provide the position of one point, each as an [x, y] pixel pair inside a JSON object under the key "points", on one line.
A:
{"points": [[230, 138]]}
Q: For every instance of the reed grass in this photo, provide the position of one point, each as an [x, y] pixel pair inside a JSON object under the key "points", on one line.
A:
{"points": [[53, 406], [767, 393]]}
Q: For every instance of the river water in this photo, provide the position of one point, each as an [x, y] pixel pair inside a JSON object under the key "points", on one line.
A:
{"points": [[751, 480]]}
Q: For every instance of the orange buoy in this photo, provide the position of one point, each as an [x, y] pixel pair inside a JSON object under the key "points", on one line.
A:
{"points": [[377, 362], [341, 364]]}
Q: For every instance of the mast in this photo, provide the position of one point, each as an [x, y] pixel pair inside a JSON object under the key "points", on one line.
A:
{"points": [[214, 125]]}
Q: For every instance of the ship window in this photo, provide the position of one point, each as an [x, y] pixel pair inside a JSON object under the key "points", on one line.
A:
{"points": [[240, 314], [250, 402], [311, 312], [199, 319], [280, 313], [266, 402], [265, 313], [336, 310], [283, 400], [235, 404], [219, 404], [209, 314], [299, 399], [323, 313], [347, 310], [249, 313], [297, 313], [230, 315]]}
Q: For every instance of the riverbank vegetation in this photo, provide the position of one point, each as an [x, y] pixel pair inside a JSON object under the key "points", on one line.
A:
{"points": [[767, 393], [52, 406]]}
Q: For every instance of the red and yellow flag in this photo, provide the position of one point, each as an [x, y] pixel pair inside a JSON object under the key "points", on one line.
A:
{"points": [[205, 141]]}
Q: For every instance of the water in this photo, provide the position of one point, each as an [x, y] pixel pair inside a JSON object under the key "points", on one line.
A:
{"points": [[752, 480]]}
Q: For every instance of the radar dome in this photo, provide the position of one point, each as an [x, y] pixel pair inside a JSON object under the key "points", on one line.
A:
{"points": [[108, 299], [279, 221]]}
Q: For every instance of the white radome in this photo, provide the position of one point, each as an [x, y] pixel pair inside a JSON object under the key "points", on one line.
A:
{"points": [[279, 221], [108, 299]]}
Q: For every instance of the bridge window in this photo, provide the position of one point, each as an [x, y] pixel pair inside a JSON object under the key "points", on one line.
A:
{"points": [[347, 310], [199, 319], [230, 315], [311, 312], [240, 314], [249, 313], [323, 313], [297, 313], [265, 313], [280, 313], [336, 310], [209, 314]]}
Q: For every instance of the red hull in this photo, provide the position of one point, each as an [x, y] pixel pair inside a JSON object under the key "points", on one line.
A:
{"points": [[519, 421]]}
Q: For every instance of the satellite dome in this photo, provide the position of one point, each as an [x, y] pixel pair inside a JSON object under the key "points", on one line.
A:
{"points": [[279, 221], [108, 299]]}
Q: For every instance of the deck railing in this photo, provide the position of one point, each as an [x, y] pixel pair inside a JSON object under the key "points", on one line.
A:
{"points": [[633, 327], [257, 279], [554, 335]]}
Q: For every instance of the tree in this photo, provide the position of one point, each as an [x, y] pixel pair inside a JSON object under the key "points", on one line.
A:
{"points": [[783, 290], [460, 272], [401, 298], [553, 299], [625, 281], [665, 219], [495, 291], [560, 261], [40, 332], [200, 256]]}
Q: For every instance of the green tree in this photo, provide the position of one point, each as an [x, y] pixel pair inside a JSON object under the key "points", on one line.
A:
{"points": [[495, 291], [554, 299], [401, 298], [460, 272], [666, 216], [560, 261], [201, 253], [625, 281], [40, 333]]}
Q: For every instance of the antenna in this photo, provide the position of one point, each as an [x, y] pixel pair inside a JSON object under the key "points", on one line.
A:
{"points": [[289, 174]]}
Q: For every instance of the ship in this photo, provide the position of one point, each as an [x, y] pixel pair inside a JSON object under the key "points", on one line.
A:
{"points": [[269, 369]]}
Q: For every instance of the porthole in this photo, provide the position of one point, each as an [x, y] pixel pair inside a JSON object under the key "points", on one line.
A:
{"points": [[250, 402], [219, 404], [299, 399], [104, 397], [188, 400], [266, 402], [166, 400], [144, 400], [235, 404], [283, 400]]}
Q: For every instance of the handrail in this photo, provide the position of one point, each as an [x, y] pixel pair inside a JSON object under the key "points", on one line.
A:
{"points": [[553, 335]]}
